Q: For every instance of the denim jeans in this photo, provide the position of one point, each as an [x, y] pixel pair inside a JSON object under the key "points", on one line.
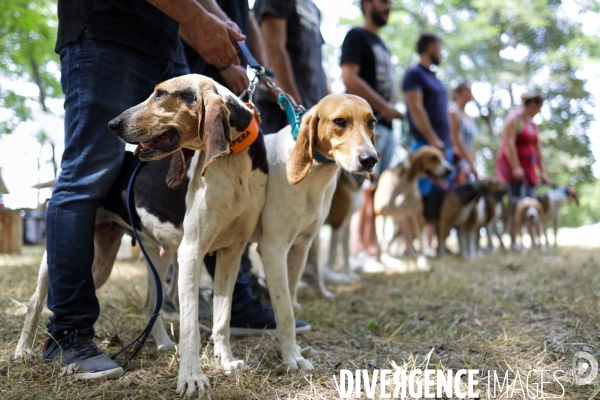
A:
{"points": [[385, 143], [100, 80]]}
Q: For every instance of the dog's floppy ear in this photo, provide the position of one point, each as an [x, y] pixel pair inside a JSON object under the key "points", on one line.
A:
{"points": [[213, 126], [301, 158], [178, 169]]}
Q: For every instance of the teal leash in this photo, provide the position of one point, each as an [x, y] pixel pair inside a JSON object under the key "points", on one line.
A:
{"points": [[294, 115]]}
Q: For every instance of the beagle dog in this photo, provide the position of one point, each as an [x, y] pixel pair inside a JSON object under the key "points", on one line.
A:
{"points": [[159, 227], [452, 209], [299, 192], [529, 211], [552, 202], [225, 196], [397, 194], [486, 213]]}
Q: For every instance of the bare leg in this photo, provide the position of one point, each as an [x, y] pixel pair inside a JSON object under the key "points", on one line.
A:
{"points": [[369, 235]]}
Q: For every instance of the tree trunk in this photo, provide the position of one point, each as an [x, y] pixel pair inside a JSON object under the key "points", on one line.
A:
{"points": [[39, 83]]}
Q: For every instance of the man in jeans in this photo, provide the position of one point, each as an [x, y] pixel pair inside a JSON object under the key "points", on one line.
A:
{"points": [[427, 103], [367, 72], [112, 55]]}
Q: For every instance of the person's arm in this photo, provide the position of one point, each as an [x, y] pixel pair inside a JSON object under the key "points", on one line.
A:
{"points": [[457, 142], [414, 103], [540, 163], [275, 35], [359, 87], [212, 38], [257, 42], [510, 141]]}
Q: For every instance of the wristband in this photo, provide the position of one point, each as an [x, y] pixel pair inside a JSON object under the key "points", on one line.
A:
{"points": [[224, 68]]}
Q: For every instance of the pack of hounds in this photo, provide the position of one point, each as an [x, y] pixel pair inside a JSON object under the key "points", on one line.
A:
{"points": [[197, 196]]}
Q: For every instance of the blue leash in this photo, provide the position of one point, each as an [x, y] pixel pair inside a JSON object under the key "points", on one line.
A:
{"points": [[287, 104], [141, 339]]}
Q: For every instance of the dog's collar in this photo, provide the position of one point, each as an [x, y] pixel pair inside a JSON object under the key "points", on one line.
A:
{"points": [[248, 136], [294, 118]]}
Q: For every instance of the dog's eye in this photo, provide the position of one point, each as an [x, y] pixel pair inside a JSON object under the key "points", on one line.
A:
{"points": [[433, 158], [340, 122], [159, 94], [371, 124]]}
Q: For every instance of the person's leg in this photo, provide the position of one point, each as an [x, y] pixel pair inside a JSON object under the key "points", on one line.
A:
{"points": [[96, 90], [385, 145], [515, 194]]}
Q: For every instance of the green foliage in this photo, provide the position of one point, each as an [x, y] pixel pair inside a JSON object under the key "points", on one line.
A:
{"points": [[27, 38]]}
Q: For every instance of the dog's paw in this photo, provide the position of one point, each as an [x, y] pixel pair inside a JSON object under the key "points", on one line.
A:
{"points": [[295, 362], [22, 354], [167, 347], [235, 365], [191, 380]]}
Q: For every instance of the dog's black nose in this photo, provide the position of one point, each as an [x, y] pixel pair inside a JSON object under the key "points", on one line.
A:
{"points": [[367, 160], [115, 124]]}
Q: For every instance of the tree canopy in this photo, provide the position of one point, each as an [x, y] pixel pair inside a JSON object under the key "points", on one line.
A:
{"points": [[27, 37]]}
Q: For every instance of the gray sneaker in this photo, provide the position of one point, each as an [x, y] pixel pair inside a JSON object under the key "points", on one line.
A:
{"points": [[80, 356]]}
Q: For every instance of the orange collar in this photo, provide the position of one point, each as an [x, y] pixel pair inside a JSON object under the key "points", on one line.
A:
{"points": [[248, 136]]}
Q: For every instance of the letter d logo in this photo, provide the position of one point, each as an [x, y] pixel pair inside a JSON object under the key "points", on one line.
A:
{"points": [[580, 368]]}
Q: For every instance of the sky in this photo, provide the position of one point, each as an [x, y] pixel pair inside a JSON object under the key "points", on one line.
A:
{"points": [[19, 151]]}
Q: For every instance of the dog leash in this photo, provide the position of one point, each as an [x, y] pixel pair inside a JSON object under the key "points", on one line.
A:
{"points": [[141, 339], [293, 111]]}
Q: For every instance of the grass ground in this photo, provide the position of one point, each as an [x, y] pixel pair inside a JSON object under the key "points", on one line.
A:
{"points": [[503, 312]]}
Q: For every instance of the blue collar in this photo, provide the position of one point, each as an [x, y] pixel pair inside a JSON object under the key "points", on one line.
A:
{"points": [[294, 117]]}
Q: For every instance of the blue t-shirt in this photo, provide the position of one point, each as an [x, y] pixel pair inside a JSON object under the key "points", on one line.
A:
{"points": [[435, 101]]}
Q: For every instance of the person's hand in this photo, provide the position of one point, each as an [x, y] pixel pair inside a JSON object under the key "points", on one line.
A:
{"points": [[473, 171], [518, 173], [235, 78], [389, 113], [437, 142], [233, 26], [545, 178], [214, 40]]}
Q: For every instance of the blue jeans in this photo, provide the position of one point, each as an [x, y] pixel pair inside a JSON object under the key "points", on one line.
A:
{"points": [[425, 185], [385, 143], [100, 80]]}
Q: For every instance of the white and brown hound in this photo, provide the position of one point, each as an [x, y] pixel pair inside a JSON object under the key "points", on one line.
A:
{"points": [[529, 212], [299, 192], [552, 203], [225, 196], [398, 195], [158, 214]]}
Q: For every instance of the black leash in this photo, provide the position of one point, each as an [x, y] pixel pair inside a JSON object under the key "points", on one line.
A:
{"points": [[141, 339]]}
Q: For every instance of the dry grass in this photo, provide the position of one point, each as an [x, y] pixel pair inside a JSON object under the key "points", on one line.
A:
{"points": [[502, 312]]}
